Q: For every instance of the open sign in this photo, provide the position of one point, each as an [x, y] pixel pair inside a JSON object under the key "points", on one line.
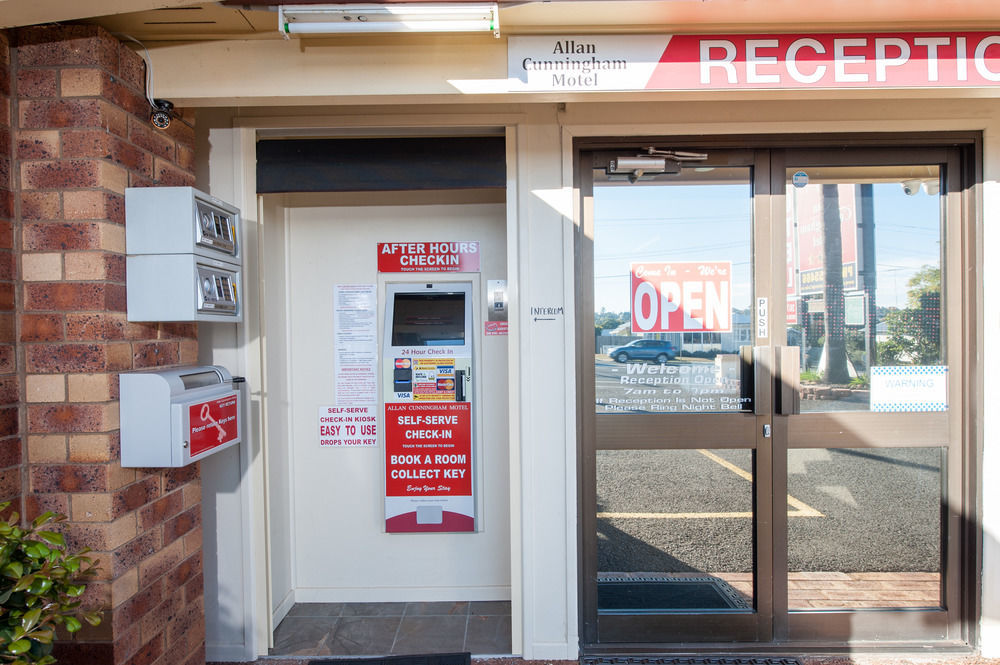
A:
{"points": [[690, 296]]}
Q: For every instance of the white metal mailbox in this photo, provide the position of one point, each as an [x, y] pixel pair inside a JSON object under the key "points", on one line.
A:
{"points": [[182, 287], [184, 258], [172, 417], [181, 220]]}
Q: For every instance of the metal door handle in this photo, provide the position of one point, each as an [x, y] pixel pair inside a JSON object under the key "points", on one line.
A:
{"points": [[787, 376], [755, 378]]}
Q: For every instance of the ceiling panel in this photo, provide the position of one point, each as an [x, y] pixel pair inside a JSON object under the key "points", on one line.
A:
{"points": [[232, 20]]}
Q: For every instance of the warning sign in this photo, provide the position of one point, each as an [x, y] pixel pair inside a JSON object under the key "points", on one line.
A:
{"points": [[428, 467], [348, 427], [691, 296]]}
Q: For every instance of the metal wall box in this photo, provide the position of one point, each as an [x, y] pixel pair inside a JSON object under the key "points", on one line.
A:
{"points": [[184, 259], [172, 417], [183, 287], [181, 220]]}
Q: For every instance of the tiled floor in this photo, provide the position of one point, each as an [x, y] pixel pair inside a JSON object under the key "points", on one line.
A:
{"points": [[374, 629]]}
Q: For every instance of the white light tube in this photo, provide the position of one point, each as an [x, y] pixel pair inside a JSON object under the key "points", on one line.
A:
{"points": [[371, 18]]}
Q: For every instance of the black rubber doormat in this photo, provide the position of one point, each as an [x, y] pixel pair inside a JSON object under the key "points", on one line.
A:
{"points": [[663, 594], [704, 660], [423, 659]]}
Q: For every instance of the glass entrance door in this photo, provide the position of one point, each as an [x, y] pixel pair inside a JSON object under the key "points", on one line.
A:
{"points": [[770, 397]]}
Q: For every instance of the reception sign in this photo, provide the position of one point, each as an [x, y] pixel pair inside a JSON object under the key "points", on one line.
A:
{"points": [[760, 61]]}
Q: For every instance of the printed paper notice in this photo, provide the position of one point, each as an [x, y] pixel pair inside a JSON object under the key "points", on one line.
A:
{"points": [[355, 344], [347, 426]]}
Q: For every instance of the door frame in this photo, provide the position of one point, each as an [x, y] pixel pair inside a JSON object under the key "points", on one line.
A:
{"points": [[772, 634]]}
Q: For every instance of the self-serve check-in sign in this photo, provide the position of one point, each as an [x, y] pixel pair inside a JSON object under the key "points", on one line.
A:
{"points": [[212, 423]]}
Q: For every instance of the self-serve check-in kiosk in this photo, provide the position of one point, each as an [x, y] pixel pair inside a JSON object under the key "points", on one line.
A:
{"points": [[427, 361], [173, 417], [183, 256]]}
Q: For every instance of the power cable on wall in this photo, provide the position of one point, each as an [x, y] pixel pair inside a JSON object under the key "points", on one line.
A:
{"points": [[162, 109]]}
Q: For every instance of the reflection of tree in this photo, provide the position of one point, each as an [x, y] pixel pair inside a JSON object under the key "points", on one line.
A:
{"points": [[833, 267], [605, 320], [914, 333]]}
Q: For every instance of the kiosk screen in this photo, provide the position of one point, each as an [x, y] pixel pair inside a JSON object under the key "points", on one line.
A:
{"points": [[428, 319]]}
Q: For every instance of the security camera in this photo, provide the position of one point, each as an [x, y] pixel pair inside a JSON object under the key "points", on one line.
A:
{"points": [[911, 187], [160, 117]]}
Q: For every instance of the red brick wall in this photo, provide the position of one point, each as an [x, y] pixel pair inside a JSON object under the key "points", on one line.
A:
{"points": [[10, 421], [81, 134]]}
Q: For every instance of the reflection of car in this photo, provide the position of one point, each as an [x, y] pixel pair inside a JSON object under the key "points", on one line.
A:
{"points": [[644, 349]]}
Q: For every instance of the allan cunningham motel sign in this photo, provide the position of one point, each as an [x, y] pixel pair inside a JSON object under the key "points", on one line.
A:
{"points": [[698, 62]]}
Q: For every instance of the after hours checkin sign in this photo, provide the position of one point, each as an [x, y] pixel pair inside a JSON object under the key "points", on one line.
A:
{"points": [[428, 463]]}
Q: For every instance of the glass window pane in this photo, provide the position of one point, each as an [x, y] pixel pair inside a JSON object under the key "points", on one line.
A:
{"points": [[675, 530], [864, 247], [672, 290], [885, 502]]}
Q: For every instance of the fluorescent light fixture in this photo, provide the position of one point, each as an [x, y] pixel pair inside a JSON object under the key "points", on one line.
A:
{"points": [[396, 17]]}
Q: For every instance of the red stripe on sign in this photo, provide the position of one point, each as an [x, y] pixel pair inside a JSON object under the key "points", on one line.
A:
{"points": [[843, 60], [450, 522]]}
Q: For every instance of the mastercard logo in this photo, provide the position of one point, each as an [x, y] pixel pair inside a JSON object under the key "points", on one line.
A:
{"points": [[402, 363], [446, 384]]}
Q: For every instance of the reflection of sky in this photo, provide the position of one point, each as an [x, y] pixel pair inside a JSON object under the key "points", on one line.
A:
{"points": [[670, 222], [688, 222], [907, 238]]}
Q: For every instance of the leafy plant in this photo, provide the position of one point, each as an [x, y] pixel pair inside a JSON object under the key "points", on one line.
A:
{"points": [[860, 381], [40, 588], [809, 375]]}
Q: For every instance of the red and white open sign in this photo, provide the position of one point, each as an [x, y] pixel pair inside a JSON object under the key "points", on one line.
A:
{"points": [[438, 256], [689, 296], [213, 423]]}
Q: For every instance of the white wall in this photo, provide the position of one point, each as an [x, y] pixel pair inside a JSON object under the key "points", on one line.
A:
{"points": [[275, 354], [990, 363], [546, 391], [229, 494], [339, 550]]}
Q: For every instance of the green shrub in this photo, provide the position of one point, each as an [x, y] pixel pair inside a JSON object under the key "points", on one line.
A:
{"points": [[40, 588], [860, 381], [809, 375]]}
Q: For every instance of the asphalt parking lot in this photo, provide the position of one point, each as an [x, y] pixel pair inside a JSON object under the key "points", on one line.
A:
{"points": [[871, 510]]}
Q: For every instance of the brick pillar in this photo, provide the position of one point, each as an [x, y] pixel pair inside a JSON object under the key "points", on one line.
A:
{"points": [[10, 412], [82, 134]]}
